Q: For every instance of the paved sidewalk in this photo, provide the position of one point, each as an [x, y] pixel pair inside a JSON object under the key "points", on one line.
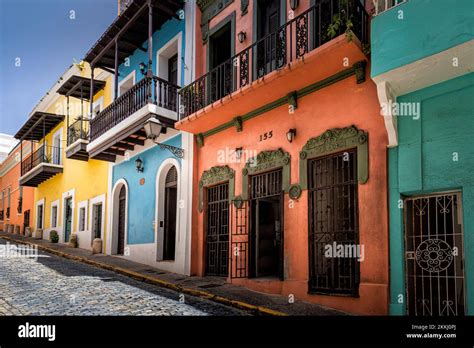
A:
{"points": [[211, 288]]}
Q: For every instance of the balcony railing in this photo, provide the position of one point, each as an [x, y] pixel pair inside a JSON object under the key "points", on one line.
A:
{"points": [[384, 5], [152, 90], [78, 130], [309, 30], [44, 154]]}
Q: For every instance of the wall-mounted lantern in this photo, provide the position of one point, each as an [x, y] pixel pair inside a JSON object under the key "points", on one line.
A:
{"points": [[142, 67], [238, 152], [139, 165], [290, 135], [242, 36], [294, 4]]}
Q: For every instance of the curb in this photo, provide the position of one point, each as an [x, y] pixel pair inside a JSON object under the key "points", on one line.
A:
{"points": [[256, 310]]}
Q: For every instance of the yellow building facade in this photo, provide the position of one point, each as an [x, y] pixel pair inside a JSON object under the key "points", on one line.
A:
{"points": [[74, 201]]}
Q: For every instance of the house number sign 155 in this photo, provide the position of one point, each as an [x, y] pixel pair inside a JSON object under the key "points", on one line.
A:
{"points": [[266, 136]]}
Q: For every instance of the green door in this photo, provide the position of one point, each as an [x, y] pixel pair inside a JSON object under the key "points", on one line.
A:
{"points": [[68, 219]]}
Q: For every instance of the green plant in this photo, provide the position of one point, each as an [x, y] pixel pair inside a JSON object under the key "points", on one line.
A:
{"points": [[342, 20], [54, 237]]}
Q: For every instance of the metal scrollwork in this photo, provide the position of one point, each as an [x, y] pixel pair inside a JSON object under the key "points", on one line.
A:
{"points": [[281, 48], [301, 36], [244, 68], [434, 255]]}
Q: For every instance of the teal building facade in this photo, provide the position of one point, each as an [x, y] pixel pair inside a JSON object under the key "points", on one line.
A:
{"points": [[423, 58]]}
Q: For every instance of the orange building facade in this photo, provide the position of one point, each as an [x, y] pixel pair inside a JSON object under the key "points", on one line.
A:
{"points": [[291, 155], [16, 202]]}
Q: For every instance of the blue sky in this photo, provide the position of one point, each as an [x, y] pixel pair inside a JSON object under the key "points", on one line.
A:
{"points": [[42, 35]]}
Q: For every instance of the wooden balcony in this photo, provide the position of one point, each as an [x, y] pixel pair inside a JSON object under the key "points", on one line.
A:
{"points": [[43, 164], [119, 127]]}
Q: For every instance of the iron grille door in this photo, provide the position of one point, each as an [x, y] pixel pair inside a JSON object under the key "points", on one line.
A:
{"points": [[434, 255], [239, 239], [333, 218], [217, 230]]}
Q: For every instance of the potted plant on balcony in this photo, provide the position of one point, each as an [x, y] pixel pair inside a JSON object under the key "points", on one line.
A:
{"points": [[341, 21]]}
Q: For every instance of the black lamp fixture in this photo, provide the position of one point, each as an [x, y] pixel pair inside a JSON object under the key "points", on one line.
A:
{"points": [[142, 67], [242, 36], [139, 165], [294, 4], [238, 152], [153, 129], [290, 135]]}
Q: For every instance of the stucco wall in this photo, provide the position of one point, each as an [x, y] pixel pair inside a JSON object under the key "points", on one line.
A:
{"points": [[160, 38], [87, 180], [142, 198], [427, 27], [423, 163]]}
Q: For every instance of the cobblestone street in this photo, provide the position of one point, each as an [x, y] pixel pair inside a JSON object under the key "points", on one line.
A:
{"points": [[52, 285]]}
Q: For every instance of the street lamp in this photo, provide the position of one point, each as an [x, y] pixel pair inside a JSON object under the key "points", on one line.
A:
{"points": [[153, 128]]}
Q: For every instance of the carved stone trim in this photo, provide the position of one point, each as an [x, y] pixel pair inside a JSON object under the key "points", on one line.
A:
{"points": [[266, 161], [214, 176], [332, 141], [295, 191]]}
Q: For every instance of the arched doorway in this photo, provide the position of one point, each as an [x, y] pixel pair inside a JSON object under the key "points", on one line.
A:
{"points": [[119, 217], [171, 195], [121, 221]]}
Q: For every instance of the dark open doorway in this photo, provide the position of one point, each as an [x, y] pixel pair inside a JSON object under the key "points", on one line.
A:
{"points": [[269, 49], [266, 236], [121, 221], [171, 195], [220, 53]]}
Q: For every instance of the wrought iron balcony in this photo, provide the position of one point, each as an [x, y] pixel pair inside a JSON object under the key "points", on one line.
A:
{"points": [[292, 41], [149, 90], [41, 165], [77, 139], [78, 130]]}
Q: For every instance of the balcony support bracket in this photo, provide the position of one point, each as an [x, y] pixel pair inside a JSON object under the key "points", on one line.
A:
{"points": [[238, 123], [293, 100], [359, 70]]}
